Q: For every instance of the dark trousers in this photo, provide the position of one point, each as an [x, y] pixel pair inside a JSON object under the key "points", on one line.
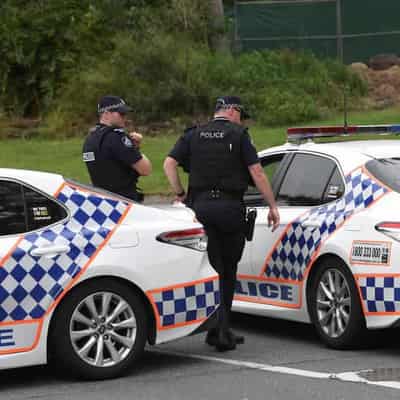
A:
{"points": [[224, 223]]}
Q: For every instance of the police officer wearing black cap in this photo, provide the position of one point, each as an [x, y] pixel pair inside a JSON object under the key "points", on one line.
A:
{"points": [[221, 161], [112, 155]]}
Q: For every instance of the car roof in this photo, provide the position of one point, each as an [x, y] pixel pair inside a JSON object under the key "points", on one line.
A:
{"points": [[46, 181], [349, 153]]}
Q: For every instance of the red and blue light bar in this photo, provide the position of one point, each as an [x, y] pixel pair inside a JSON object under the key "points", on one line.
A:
{"points": [[304, 133]]}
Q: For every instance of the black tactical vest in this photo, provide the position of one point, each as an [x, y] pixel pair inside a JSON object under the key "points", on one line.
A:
{"points": [[215, 157], [105, 171]]}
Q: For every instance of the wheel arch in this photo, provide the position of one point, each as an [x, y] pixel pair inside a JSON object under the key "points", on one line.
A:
{"points": [[152, 332]]}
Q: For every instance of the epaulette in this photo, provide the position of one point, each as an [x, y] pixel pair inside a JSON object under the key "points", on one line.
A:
{"points": [[119, 130], [187, 130]]}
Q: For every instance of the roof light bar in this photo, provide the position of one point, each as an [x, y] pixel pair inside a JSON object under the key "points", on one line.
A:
{"points": [[299, 134]]}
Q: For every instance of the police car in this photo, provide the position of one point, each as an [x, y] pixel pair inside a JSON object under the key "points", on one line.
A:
{"points": [[335, 259], [87, 277]]}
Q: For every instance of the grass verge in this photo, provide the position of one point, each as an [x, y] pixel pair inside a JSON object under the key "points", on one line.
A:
{"points": [[64, 156]]}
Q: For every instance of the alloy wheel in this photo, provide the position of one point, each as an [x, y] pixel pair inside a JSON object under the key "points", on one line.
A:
{"points": [[103, 329], [333, 303]]}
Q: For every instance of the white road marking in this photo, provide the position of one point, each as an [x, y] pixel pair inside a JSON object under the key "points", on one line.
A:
{"points": [[343, 376]]}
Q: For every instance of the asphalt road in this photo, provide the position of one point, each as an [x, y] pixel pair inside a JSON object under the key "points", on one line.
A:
{"points": [[279, 360]]}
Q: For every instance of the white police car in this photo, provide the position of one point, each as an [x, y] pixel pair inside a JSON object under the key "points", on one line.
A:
{"points": [[87, 277], [335, 259]]}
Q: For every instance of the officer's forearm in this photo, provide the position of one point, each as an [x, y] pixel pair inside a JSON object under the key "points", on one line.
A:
{"points": [[143, 166], [262, 183], [171, 172]]}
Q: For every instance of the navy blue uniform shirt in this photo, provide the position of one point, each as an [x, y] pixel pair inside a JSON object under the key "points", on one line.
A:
{"points": [[109, 154], [181, 150]]}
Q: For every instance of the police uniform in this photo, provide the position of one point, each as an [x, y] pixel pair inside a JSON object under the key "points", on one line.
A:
{"points": [[109, 154], [217, 156]]}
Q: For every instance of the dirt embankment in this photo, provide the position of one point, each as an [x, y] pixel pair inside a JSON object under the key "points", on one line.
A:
{"points": [[382, 73]]}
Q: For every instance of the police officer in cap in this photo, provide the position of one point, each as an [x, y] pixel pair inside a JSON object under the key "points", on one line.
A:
{"points": [[221, 161], [112, 155]]}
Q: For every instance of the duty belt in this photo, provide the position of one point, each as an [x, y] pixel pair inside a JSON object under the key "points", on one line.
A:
{"points": [[217, 194]]}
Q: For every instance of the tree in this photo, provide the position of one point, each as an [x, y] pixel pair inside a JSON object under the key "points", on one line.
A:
{"points": [[219, 41]]}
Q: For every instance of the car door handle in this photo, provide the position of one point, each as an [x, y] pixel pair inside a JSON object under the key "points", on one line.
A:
{"points": [[50, 251], [311, 224]]}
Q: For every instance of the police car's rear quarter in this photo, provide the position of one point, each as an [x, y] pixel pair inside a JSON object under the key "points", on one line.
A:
{"points": [[140, 266], [170, 259]]}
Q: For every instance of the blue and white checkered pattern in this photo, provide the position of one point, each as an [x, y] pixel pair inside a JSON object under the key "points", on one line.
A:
{"points": [[380, 294], [294, 251], [29, 284], [181, 305]]}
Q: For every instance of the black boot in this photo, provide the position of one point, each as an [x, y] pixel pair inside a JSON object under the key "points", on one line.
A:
{"points": [[238, 339], [212, 336], [225, 342]]}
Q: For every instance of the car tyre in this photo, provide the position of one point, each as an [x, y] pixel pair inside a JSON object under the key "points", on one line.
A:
{"points": [[334, 305], [99, 330]]}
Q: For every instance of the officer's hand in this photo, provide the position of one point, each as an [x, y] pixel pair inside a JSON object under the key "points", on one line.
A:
{"points": [[180, 199], [136, 137], [273, 218]]}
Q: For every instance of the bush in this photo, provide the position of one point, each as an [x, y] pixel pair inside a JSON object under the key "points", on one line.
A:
{"points": [[58, 57], [164, 79]]}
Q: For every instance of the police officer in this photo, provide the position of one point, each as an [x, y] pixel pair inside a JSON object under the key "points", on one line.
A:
{"points": [[112, 155], [220, 160]]}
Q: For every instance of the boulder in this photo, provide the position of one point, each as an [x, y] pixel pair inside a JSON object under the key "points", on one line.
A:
{"points": [[383, 61]]}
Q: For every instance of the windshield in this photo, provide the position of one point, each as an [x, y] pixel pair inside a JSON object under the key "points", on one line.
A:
{"points": [[387, 170]]}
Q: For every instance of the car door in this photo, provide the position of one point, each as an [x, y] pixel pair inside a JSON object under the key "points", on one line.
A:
{"points": [[23, 212], [272, 165], [12, 215], [301, 182]]}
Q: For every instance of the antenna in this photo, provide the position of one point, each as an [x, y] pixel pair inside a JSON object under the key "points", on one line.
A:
{"points": [[345, 125]]}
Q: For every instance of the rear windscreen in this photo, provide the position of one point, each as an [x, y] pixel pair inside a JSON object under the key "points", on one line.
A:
{"points": [[387, 170]]}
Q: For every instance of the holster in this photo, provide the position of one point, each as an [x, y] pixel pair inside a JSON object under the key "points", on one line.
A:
{"points": [[251, 216]]}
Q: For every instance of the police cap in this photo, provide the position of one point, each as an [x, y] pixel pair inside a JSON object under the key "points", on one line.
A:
{"points": [[112, 104], [225, 102]]}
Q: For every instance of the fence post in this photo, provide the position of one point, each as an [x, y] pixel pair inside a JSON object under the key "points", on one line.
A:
{"points": [[339, 36], [236, 46]]}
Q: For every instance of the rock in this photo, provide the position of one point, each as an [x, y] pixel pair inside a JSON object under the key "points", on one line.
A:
{"points": [[383, 61], [359, 66], [385, 94], [360, 69]]}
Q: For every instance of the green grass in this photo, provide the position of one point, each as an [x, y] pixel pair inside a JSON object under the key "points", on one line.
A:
{"points": [[64, 156]]}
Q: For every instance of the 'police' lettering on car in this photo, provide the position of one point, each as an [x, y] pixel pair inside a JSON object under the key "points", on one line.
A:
{"points": [[273, 291]]}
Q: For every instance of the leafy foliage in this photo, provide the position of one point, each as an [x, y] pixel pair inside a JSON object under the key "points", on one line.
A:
{"points": [[59, 56]]}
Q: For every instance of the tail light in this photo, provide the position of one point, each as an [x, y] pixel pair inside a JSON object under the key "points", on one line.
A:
{"points": [[195, 239], [391, 229]]}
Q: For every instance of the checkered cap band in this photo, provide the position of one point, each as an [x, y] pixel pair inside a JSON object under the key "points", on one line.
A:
{"points": [[295, 249], [380, 294], [29, 285], [194, 302]]}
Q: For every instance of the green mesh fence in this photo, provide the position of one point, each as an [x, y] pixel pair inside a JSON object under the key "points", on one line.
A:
{"points": [[354, 30]]}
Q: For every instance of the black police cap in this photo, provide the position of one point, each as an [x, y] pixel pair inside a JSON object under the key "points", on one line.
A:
{"points": [[225, 102], [112, 104]]}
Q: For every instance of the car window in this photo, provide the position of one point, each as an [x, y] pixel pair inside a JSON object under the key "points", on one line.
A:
{"points": [[387, 170], [12, 208], [22, 209], [270, 164], [335, 187], [41, 211], [307, 180]]}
